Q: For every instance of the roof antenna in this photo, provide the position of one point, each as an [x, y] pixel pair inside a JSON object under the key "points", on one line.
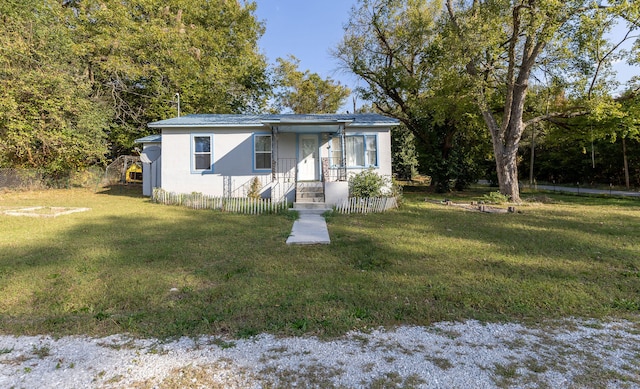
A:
{"points": [[177, 96]]}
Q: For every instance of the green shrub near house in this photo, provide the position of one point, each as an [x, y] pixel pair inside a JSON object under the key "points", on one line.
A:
{"points": [[367, 184]]}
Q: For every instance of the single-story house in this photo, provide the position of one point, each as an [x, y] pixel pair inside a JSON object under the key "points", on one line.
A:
{"points": [[303, 158]]}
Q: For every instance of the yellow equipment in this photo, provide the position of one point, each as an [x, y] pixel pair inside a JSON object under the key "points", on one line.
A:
{"points": [[134, 173]]}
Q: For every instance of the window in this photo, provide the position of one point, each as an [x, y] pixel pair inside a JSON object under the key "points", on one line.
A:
{"points": [[202, 156], [371, 150], [262, 152], [336, 152], [355, 150], [360, 150]]}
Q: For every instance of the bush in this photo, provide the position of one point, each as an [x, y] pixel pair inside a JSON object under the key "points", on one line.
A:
{"points": [[254, 189], [367, 183], [496, 198]]}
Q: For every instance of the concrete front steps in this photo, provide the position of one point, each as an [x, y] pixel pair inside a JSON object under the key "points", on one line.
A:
{"points": [[307, 207], [309, 192], [310, 198]]}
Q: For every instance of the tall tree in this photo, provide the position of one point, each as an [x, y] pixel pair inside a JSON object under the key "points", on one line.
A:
{"points": [[483, 52], [394, 46], [140, 53], [389, 45], [48, 117], [500, 45], [306, 92]]}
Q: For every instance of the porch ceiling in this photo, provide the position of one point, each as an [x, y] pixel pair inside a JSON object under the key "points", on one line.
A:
{"points": [[307, 129], [307, 126]]}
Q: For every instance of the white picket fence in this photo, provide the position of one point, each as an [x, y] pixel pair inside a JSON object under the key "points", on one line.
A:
{"points": [[244, 205], [367, 205], [252, 206]]}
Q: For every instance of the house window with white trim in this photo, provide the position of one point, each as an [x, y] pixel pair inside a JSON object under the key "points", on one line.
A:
{"points": [[371, 150], [262, 152], [336, 152], [202, 153], [360, 150]]}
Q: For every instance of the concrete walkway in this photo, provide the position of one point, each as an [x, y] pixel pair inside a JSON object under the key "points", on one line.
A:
{"points": [[310, 228]]}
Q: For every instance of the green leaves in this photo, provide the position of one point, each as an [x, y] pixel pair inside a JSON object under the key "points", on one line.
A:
{"points": [[80, 79], [367, 184], [141, 52], [411, 70], [306, 92], [48, 119]]}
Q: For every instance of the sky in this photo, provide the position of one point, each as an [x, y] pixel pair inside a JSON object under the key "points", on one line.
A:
{"points": [[309, 29]]}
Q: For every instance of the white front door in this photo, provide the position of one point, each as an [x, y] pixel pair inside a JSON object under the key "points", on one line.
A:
{"points": [[307, 157]]}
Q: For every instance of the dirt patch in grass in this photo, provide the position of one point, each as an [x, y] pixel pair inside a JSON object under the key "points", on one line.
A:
{"points": [[42, 211]]}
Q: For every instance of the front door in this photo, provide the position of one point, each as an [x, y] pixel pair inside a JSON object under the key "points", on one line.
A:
{"points": [[307, 157]]}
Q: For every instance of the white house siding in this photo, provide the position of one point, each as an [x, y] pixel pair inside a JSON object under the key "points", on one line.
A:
{"points": [[285, 153], [232, 151], [384, 153], [287, 145]]}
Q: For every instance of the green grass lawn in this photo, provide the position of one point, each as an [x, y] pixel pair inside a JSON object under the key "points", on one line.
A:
{"points": [[112, 269]]}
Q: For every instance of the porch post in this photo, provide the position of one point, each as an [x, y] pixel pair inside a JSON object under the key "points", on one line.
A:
{"points": [[274, 152], [343, 152]]}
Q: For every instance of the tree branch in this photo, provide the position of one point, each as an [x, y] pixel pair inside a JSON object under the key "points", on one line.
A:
{"points": [[604, 58], [553, 115]]}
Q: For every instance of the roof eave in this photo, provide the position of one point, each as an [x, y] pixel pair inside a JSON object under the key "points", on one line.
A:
{"points": [[305, 122], [157, 138], [349, 123], [205, 125], [375, 124]]}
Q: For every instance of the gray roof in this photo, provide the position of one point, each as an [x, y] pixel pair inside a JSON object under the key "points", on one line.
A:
{"points": [[223, 120], [157, 138]]}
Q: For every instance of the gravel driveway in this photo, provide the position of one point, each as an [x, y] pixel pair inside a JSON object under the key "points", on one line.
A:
{"points": [[570, 354]]}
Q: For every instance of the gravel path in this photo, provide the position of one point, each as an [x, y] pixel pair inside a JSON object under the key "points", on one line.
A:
{"points": [[446, 355]]}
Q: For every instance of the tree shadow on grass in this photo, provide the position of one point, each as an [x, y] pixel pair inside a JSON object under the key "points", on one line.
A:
{"points": [[114, 271], [152, 270], [522, 266], [129, 190]]}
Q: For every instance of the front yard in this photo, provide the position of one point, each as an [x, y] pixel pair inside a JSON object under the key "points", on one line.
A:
{"points": [[130, 266]]}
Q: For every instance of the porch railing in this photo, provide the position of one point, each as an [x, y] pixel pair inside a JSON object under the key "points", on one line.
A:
{"points": [[285, 169], [284, 178], [281, 180], [332, 170], [244, 188]]}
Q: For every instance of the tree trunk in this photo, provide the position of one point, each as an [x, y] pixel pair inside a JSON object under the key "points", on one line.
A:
{"points": [[507, 166], [533, 153], [530, 41], [626, 163], [505, 147]]}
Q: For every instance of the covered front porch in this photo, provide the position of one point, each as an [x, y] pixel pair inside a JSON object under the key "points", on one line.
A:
{"points": [[308, 162]]}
